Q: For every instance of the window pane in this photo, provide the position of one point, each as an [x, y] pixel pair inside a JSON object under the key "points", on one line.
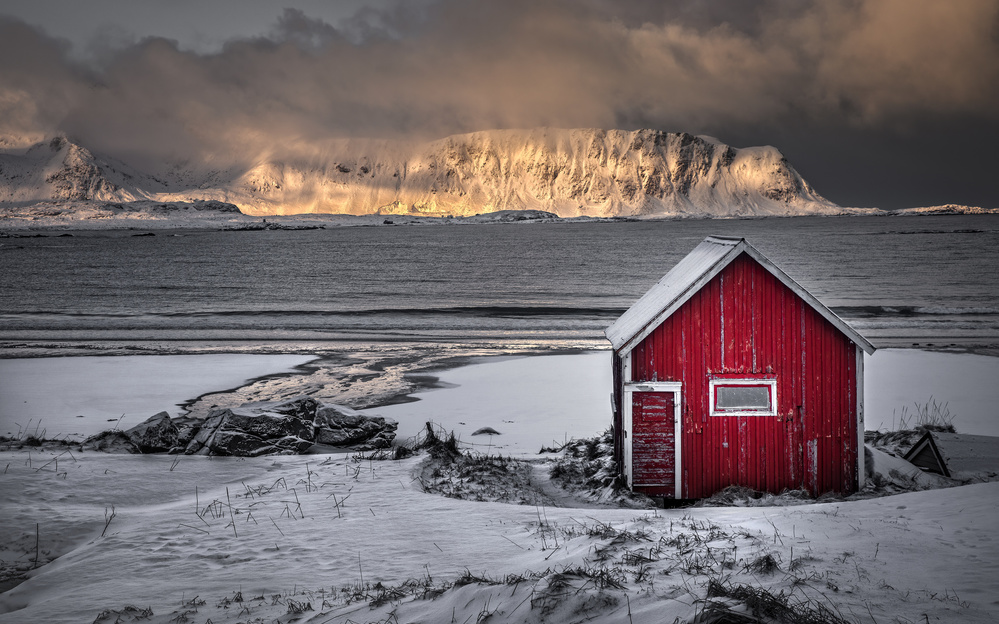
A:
{"points": [[742, 397]]}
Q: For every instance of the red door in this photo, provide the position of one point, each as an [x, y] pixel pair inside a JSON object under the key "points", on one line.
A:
{"points": [[653, 445]]}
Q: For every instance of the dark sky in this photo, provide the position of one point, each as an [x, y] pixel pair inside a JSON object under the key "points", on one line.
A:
{"points": [[888, 103]]}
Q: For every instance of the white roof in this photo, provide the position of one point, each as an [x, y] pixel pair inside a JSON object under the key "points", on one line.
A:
{"points": [[689, 275]]}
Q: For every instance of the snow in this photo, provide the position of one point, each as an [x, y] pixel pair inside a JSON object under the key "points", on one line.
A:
{"points": [[944, 209], [569, 395], [531, 401], [235, 540], [571, 172], [57, 390], [305, 530], [77, 397], [968, 456], [963, 382]]}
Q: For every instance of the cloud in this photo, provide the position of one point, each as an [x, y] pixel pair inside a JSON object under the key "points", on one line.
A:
{"points": [[425, 70], [37, 87]]}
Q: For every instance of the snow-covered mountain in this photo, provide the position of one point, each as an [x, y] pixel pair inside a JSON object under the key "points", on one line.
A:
{"points": [[583, 172], [58, 169]]}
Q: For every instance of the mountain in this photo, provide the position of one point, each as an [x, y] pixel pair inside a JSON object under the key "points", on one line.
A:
{"points": [[59, 169], [582, 172]]}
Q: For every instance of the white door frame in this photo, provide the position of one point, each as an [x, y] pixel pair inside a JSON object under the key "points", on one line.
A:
{"points": [[676, 388]]}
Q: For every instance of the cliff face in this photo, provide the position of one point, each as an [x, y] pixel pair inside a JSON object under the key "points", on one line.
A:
{"points": [[567, 172]]}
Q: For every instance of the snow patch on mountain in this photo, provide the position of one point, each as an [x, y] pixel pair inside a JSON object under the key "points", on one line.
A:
{"points": [[58, 169], [569, 173]]}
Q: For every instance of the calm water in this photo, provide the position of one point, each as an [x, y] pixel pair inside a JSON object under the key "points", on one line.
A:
{"points": [[900, 281]]}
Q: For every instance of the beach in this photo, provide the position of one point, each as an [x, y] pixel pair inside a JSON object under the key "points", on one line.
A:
{"points": [[233, 539], [532, 400], [497, 328]]}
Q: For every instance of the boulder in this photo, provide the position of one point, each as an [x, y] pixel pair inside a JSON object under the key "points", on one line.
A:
{"points": [[111, 441], [289, 427], [485, 431], [252, 430], [158, 434], [337, 425]]}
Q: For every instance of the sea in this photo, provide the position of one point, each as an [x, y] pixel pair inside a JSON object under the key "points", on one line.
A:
{"points": [[920, 281], [368, 316]]}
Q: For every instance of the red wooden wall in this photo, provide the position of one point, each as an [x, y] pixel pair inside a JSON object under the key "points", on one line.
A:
{"points": [[746, 322]]}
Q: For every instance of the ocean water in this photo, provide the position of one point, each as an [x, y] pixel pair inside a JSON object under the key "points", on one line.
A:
{"points": [[901, 281]]}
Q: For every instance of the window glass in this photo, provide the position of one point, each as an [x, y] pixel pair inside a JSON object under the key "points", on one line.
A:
{"points": [[742, 397]]}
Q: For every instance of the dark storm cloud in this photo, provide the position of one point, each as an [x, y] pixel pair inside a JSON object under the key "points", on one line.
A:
{"points": [[764, 71]]}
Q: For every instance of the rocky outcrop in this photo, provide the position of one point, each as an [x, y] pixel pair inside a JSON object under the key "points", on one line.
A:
{"points": [[284, 428], [290, 427], [337, 425], [79, 177], [111, 441], [158, 434]]}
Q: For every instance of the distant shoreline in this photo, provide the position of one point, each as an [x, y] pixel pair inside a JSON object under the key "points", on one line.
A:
{"points": [[90, 216]]}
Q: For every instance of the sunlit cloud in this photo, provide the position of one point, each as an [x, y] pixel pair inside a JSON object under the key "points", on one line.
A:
{"points": [[427, 70]]}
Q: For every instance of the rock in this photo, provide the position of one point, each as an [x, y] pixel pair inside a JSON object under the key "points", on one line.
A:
{"points": [[158, 434], [289, 427], [241, 444], [252, 430], [486, 431], [111, 441], [337, 425]]}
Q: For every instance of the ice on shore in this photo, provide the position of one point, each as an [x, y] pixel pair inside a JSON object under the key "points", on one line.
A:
{"points": [[531, 401], [81, 396]]}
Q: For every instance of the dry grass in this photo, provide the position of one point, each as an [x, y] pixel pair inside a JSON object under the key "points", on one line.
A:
{"points": [[929, 416]]}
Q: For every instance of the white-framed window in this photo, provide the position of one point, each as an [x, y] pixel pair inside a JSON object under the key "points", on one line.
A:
{"points": [[743, 397]]}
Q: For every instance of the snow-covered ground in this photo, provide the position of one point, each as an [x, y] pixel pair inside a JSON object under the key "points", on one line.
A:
{"points": [[196, 539], [78, 397], [549, 399], [897, 381], [343, 539], [555, 397]]}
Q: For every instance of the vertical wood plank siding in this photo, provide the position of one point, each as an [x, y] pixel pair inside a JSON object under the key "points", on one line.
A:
{"points": [[746, 322]]}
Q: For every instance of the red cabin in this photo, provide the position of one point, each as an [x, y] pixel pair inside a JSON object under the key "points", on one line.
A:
{"points": [[727, 372]]}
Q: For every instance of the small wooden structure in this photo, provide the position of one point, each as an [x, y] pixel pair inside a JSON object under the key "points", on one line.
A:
{"points": [[956, 455], [925, 454], [727, 372]]}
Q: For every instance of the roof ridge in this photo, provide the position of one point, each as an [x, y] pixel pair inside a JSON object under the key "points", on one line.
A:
{"points": [[691, 274], [728, 240]]}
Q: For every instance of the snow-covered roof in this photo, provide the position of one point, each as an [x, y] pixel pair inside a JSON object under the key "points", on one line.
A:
{"points": [[689, 275]]}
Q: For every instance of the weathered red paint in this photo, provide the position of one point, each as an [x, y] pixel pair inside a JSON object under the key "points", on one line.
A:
{"points": [[746, 323], [653, 442]]}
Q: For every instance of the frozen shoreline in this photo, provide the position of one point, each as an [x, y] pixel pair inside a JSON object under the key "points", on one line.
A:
{"points": [[531, 399], [77, 397], [189, 535]]}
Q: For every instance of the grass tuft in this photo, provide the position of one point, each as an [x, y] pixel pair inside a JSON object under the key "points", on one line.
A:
{"points": [[763, 606]]}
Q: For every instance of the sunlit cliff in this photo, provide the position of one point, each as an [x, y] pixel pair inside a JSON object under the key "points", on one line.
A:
{"points": [[569, 172]]}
